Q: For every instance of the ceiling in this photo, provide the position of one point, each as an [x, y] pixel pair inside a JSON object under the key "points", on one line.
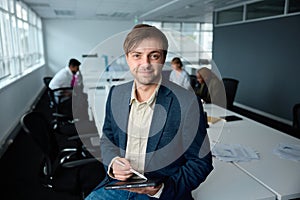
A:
{"points": [[141, 10]]}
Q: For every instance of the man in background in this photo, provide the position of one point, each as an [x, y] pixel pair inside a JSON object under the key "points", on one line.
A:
{"points": [[66, 77]]}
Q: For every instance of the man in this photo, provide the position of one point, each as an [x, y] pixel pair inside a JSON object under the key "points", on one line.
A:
{"points": [[62, 84], [152, 126], [67, 76]]}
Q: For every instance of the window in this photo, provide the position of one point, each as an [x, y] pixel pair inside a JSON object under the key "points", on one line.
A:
{"points": [[265, 8], [21, 43], [230, 15], [294, 6], [257, 10], [192, 41]]}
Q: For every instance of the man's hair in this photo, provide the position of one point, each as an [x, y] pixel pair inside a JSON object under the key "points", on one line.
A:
{"points": [[74, 62], [141, 32], [177, 60]]}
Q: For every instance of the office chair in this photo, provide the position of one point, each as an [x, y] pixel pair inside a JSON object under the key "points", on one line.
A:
{"points": [[68, 170], [46, 81], [231, 86], [296, 116], [193, 81], [61, 108], [56, 96]]}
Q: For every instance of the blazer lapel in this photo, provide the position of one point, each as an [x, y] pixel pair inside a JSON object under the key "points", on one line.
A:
{"points": [[121, 109], [159, 118]]}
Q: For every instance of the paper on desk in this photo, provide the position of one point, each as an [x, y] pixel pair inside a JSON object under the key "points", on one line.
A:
{"points": [[288, 151], [234, 153]]}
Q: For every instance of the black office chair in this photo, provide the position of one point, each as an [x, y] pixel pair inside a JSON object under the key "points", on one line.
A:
{"points": [[193, 81], [296, 116], [62, 170], [47, 81], [231, 86], [61, 107]]}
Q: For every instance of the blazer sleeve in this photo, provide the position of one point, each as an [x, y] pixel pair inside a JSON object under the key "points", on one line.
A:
{"points": [[197, 161]]}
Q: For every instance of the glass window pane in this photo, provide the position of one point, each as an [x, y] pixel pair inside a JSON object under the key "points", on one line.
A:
{"points": [[19, 10], [190, 27], [14, 36], [172, 26], [4, 4], [4, 35], [206, 41], [41, 46], [11, 6], [230, 15], [24, 14], [265, 8], [206, 27], [39, 23], [294, 6]]}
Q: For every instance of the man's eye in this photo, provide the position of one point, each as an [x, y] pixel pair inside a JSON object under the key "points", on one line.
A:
{"points": [[154, 56], [135, 55]]}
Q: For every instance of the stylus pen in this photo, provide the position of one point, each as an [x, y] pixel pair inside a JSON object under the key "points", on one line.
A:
{"points": [[132, 170]]}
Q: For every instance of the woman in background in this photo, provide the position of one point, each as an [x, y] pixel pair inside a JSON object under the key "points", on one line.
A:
{"points": [[179, 75]]}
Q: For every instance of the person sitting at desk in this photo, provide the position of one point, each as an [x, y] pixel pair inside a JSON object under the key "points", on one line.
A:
{"points": [[179, 75], [212, 87], [160, 131], [67, 77], [201, 89]]}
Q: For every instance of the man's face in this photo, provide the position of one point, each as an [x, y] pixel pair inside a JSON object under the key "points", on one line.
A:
{"points": [[74, 69], [146, 61]]}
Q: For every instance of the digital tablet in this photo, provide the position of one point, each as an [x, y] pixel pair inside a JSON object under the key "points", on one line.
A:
{"points": [[133, 183]]}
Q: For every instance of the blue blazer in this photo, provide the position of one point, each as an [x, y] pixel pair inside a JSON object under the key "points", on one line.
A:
{"points": [[178, 147]]}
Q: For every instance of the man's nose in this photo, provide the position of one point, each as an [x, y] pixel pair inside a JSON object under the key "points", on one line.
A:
{"points": [[145, 59]]}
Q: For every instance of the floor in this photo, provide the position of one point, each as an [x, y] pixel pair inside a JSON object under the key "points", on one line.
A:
{"points": [[20, 167]]}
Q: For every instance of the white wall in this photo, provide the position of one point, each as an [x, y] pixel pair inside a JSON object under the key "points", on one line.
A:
{"points": [[16, 99], [72, 38]]}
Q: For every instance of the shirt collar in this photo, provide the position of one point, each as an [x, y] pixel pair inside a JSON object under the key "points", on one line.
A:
{"points": [[69, 70], [151, 99]]}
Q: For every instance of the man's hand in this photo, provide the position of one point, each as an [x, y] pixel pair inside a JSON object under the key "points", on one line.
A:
{"points": [[120, 172], [145, 190]]}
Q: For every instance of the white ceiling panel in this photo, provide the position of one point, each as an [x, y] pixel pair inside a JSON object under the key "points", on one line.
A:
{"points": [[151, 10]]}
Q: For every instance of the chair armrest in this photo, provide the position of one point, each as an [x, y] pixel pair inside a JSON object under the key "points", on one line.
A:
{"points": [[63, 117], [81, 162]]}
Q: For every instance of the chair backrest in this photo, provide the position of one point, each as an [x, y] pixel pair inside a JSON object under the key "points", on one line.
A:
{"points": [[47, 80], [36, 125], [296, 116], [231, 86], [193, 81], [54, 98]]}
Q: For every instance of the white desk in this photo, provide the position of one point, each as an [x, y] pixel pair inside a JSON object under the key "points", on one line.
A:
{"points": [[227, 182], [279, 175], [92, 79]]}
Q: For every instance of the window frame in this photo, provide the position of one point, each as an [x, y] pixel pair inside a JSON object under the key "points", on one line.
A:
{"points": [[21, 42]]}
